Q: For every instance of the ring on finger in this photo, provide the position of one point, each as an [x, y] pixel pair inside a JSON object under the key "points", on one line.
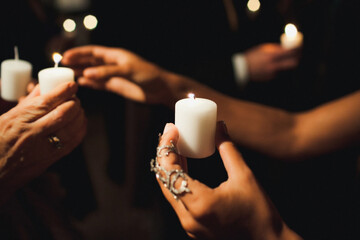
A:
{"points": [[55, 141]]}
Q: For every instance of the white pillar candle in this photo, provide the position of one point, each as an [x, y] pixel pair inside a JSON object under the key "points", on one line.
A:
{"points": [[195, 119], [15, 76], [50, 78], [291, 38]]}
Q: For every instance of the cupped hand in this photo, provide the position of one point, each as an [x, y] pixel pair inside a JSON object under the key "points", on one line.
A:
{"points": [[236, 209], [119, 71], [267, 60], [25, 149]]}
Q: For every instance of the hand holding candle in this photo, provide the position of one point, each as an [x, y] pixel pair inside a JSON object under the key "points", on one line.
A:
{"points": [[195, 119], [291, 38], [15, 76], [50, 78]]}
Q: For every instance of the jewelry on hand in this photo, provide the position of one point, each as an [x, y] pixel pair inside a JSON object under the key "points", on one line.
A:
{"points": [[55, 141], [169, 178]]}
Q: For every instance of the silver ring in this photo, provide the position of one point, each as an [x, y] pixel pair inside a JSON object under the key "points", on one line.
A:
{"points": [[169, 178], [169, 148], [55, 141]]}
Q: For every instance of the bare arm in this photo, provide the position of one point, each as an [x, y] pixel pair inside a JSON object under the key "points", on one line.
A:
{"points": [[278, 133], [274, 132]]}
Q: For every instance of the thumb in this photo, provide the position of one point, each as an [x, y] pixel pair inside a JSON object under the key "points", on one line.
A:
{"points": [[231, 157], [34, 92]]}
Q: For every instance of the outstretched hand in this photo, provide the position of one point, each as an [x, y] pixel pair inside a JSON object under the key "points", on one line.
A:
{"points": [[266, 60], [236, 209], [119, 71], [37, 132]]}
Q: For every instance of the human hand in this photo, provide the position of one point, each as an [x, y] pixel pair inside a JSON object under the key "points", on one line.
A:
{"points": [[25, 149], [267, 60], [236, 209], [119, 71]]}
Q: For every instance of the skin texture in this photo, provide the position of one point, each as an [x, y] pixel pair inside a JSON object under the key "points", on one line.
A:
{"points": [[265, 61], [25, 151], [237, 209], [274, 132]]}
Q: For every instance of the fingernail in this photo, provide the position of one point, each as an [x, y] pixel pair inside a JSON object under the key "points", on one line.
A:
{"points": [[167, 128], [90, 72]]}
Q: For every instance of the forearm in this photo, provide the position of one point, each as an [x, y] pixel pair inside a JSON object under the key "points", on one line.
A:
{"points": [[278, 133], [262, 128]]}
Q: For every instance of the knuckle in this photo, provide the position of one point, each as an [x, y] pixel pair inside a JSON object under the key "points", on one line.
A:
{"points": [[202, 208], [190, 226], [41, 104], [126, 66]]}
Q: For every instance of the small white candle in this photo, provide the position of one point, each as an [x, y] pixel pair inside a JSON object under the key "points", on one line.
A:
{"points": [[291, 38], [50, 78], [195, 119], [15, 76]]}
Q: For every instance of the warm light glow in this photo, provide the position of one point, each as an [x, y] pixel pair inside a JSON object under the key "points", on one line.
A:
{"points": [[290, 30], [253, 5], [69, 25], [90, 22], [57, 58], [191, 95]]}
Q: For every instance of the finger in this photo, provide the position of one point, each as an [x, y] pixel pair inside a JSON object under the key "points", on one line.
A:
{"points": [[105, 71], [283, 53], [170, 136], [232, 159], [72, 133], [34, 92], [118, 85], [90, 83], [58, 117], [194, 200], [32, 84], [84, 55], [285, 64]]}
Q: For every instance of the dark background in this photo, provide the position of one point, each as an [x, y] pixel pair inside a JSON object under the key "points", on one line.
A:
{"points": [[317, 198]]}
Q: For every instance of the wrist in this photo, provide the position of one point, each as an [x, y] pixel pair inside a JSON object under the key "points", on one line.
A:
{"points": [[177, 87], [288, 234], [273, 227]]}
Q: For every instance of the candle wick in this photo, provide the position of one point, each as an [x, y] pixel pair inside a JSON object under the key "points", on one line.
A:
{"points": [[16, 52], [191, 95], [56, 64]]}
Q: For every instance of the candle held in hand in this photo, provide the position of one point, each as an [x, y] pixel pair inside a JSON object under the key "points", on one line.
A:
{"points": [[50, 78], [291, 38], [15, 76], [195, 119]]}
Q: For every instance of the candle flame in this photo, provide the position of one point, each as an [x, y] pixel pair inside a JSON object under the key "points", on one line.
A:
{"points": [[57, 58], [191, 95], [290, 30]]}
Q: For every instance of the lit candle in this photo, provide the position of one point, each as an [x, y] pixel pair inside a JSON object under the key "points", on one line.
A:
{"points": [[291, 38], [15, 76], [195, 119], [50, 78]]}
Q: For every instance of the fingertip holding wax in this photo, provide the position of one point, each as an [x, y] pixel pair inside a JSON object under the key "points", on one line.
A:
{"points": [[195, 119]]}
